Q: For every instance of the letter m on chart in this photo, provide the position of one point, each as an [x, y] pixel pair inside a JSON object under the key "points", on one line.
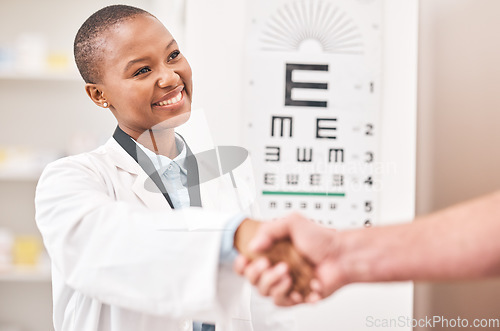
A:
{"points": [[282, 120]]}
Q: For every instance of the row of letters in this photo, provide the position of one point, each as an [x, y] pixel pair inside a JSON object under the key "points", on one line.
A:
{"points": [[326, 128]]}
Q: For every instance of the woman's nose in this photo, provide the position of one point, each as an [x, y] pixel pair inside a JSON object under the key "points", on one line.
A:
{"points": [[167, 77]]}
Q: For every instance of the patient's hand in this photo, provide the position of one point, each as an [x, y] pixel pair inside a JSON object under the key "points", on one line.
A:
{"points": [[299, 269]]}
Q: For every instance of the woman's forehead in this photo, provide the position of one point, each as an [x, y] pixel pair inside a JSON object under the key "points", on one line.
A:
{"points": [[140, 39], [135, 35], [137, 30]]}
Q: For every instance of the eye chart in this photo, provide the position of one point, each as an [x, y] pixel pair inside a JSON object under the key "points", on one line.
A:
{"points": [[313, 105]]}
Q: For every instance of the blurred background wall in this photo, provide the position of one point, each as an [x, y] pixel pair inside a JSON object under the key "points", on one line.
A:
{"points": [[458, 136], [458, 132]]}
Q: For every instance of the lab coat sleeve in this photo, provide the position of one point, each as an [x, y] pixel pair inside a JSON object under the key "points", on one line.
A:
{"points": [[124, 254]]}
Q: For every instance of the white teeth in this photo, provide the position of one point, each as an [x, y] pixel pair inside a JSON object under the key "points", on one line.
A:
{"points": [[173, 100]]}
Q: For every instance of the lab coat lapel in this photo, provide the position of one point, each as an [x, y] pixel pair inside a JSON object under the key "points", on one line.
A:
{"points": [[149, 193], [142, 185], [130, 146]]}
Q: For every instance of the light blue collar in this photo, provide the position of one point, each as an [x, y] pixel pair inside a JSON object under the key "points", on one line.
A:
{"points": [[161, 162]]}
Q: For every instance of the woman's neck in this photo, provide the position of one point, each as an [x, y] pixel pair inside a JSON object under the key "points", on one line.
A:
{"points": [[161, 142]]}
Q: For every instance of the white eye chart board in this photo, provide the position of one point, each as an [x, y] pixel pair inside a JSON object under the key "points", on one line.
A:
{"points": [[330, 106], [314, 106]]}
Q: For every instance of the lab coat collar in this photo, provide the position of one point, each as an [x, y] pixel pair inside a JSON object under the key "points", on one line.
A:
{"points": [[130, 146], [121, 158], [187, 162], [143, 186], [133, 160]]}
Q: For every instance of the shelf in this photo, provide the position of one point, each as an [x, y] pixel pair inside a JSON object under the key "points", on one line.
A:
{"points": [[42, 76], [25, 172], [25, 165], [25, 274], [28, 176]]}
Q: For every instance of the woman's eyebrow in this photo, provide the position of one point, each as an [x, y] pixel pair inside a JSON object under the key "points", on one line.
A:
{"points": [[132, 62], [171, 43]]}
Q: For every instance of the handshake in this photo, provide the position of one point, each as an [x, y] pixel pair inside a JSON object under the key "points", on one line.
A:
{"points": [[291, 260], [294, 260]]}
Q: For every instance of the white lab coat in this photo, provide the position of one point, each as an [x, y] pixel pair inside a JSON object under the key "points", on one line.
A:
{"points": [[123, 260]]}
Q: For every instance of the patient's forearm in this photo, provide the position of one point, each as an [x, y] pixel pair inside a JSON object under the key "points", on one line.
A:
{"points": [[461, 242]]}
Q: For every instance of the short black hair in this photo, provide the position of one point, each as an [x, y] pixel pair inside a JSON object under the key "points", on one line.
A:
{"points": [[89, 42]]}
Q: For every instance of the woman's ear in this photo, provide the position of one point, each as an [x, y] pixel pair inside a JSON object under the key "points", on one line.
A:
{"points": [[96, 94]]}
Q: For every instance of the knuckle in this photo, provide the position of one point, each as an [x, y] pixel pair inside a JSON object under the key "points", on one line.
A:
{"points": [[250, 275], [280, 301]]}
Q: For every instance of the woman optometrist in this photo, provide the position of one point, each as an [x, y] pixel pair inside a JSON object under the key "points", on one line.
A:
{"points": [[131, 249]]}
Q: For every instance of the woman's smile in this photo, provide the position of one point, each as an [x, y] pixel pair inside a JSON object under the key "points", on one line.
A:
{"points": [[171, 100]]}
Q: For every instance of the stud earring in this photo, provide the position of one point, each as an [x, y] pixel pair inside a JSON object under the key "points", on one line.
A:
{"points": [[105, 105]]}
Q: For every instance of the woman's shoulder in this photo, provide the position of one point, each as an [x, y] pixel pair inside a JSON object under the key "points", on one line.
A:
{"points": [[91, 161]]}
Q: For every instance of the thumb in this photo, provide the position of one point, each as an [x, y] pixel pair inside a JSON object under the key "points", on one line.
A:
{"points": [[268, 234], [260, 242]]}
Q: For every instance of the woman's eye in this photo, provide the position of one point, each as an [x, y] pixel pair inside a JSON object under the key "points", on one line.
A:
{"points": [[142, 71], [174, 55]]}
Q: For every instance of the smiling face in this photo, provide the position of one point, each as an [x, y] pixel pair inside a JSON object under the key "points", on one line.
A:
{"points": [[146, 81]]}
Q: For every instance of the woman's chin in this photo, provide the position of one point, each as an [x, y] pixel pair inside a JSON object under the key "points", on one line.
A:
{"points": [[172, 122]]}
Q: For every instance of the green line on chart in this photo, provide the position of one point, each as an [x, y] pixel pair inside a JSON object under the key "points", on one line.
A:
{"points": [[324, 194]]}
